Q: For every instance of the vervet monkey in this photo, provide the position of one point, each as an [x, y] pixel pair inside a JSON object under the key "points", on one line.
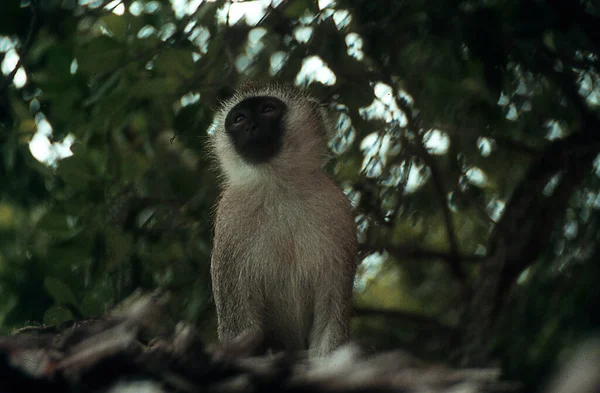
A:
{"points": [[284, 253]]}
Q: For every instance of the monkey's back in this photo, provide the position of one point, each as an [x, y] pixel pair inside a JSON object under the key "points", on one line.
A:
{"points": [[277, 254]]}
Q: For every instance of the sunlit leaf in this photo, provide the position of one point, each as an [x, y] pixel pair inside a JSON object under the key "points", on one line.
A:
{"points": [[348, 170], [7, 215]]}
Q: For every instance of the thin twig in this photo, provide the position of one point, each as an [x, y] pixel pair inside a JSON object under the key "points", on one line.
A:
{"points": [[24, 49], [438, 182]]}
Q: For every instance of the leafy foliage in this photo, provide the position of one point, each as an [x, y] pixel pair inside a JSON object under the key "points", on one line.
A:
{"points": [[466, 136]]}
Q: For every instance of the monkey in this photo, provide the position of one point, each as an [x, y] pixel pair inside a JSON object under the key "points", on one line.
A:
{"points": [[285, 240]]}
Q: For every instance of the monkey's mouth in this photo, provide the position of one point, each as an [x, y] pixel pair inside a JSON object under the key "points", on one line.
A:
{"points": [[256, 148]]}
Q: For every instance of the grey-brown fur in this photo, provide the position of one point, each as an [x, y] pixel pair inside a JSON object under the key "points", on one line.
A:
{"points": [[284, 254]]}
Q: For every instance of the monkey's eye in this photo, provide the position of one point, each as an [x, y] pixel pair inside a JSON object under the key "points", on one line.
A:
{"points": [[239, 118], [268, 108]]}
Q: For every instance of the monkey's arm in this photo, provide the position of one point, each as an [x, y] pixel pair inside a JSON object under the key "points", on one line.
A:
{"points": [[331, 324], [227, 293], [333, 297]]}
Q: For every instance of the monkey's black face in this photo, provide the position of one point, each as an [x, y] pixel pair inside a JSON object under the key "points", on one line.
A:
{"points": [[256, 128]]}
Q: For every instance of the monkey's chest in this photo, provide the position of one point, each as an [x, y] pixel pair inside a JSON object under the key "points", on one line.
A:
{"points": [[281, 259], [280, 271], [282, 241]]}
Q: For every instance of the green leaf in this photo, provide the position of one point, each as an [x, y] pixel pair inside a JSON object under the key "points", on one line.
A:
{"points": [[9, 152], [8, 301], [20, 110], [176, 63], [91, 305], [55, 224], [56, 315], [104, 88], [113, 107], [348, 169], [59, 291], [100, 54], [117, 25], [297, 8], [66, 103], [59, 60], [7, 217], [78, 148], [157, 87], [74, 254], [118, 245], [134, 166], [74, 171]]}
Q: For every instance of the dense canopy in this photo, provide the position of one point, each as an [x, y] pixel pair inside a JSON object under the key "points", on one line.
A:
{"points": [[467, 136]]}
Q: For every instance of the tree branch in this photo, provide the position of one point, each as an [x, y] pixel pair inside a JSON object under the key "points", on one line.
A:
{"points": [[438, 182], [441, 195], [517, 240]]}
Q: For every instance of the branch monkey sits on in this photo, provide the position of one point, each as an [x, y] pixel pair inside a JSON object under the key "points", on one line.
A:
{"points": [[284, 254]]}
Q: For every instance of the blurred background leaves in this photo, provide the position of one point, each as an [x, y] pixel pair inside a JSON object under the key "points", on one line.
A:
{"points": [[466, 136]]}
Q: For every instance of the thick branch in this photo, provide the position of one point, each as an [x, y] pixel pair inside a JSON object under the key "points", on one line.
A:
{"points": [[521, 234], [552, 211]]}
